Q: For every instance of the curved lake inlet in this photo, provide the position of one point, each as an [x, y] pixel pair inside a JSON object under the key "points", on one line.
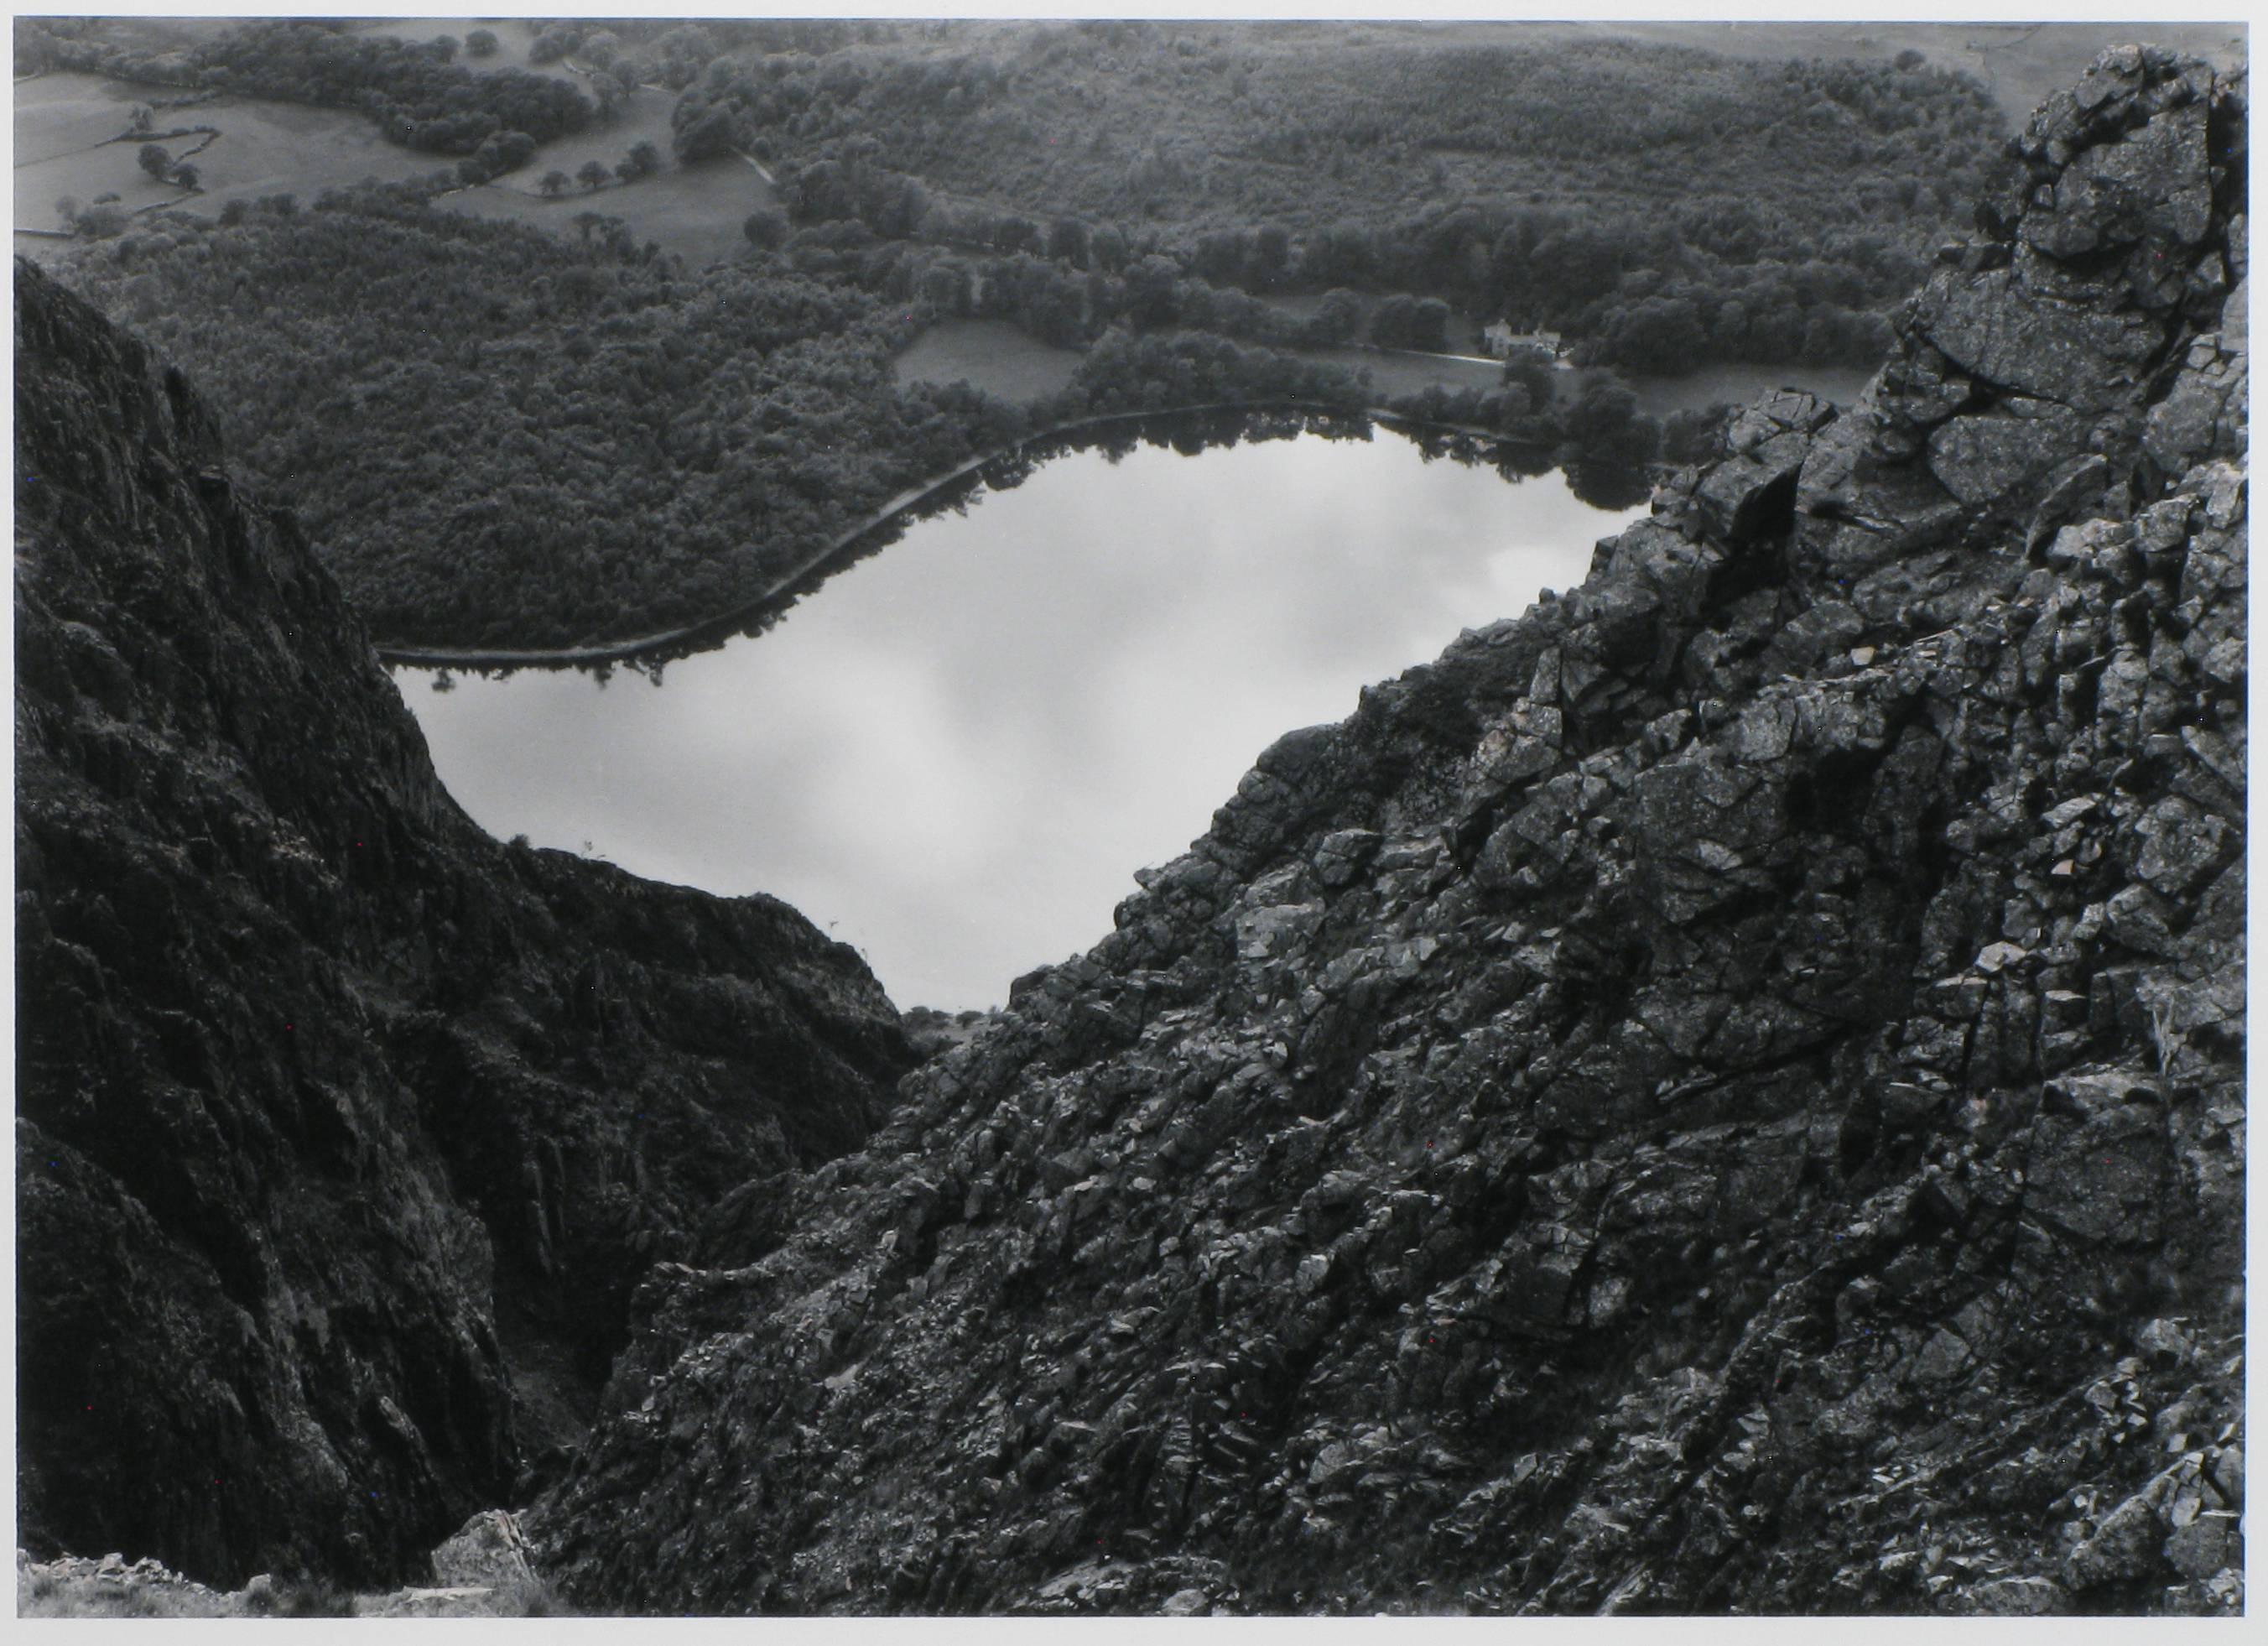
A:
{"points": [[956, 758]]}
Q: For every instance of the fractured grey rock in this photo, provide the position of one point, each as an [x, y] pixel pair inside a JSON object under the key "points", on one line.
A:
{"points": [[1982, 458]]}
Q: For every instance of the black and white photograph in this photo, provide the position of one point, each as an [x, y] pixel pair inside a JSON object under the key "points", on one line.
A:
{"points": [[931, 817]]}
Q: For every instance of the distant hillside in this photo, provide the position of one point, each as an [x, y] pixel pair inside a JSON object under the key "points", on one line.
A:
{"points": [[1210, 124], [1649, 165]]}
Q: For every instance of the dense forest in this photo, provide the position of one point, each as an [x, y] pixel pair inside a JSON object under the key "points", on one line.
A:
{"points": [[1669, 206], [674, 53], [1548, 267], [499, 439]]}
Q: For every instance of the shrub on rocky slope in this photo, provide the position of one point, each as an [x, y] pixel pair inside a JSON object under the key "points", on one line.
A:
{"points": [[1724, 1094]]}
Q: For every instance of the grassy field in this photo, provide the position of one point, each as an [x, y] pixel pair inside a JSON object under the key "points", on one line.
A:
{"points": [[693, 211], [989, 354], [1393, 374], [63, 124], [695, 215], [264, 148], [268, 148], [59, 114], [1464, 330]]}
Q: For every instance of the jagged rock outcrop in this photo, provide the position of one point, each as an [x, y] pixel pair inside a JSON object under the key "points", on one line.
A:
{"points": [[1724, 1094], [343, 1132]]}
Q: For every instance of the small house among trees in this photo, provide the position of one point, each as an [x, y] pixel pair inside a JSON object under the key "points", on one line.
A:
{"points": [[1499, 340]]}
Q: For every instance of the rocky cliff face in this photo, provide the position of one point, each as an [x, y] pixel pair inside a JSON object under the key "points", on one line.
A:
{"points": [[342, 1131], [1722, 1094]]}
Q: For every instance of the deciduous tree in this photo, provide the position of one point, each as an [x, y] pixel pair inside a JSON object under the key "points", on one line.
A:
{"points": [[766, 230]]}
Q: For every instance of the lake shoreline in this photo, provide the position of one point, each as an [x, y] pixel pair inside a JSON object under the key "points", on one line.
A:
{"points": [[724, 624]]}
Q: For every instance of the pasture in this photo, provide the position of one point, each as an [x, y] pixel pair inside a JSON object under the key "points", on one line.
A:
{"points": [[695, 212], [992, 355], [264, 148], [1464, 330], [1392, 375], [59, 114]]}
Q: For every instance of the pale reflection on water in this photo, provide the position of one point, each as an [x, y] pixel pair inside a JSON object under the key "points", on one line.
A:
{"points": [[955, 755]]}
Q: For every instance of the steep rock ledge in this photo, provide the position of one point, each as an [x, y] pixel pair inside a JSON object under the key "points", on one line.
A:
{"points": [[343, 1132], [1724, 1094]]}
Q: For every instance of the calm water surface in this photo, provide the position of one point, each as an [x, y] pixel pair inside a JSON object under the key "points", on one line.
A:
{"points": [[956, 754]]}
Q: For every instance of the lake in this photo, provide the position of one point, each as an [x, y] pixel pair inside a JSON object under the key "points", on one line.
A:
{"points": [[955, 755]]}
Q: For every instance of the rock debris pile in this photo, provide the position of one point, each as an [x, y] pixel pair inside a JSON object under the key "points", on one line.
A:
{"points": [[482, 1571]]}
